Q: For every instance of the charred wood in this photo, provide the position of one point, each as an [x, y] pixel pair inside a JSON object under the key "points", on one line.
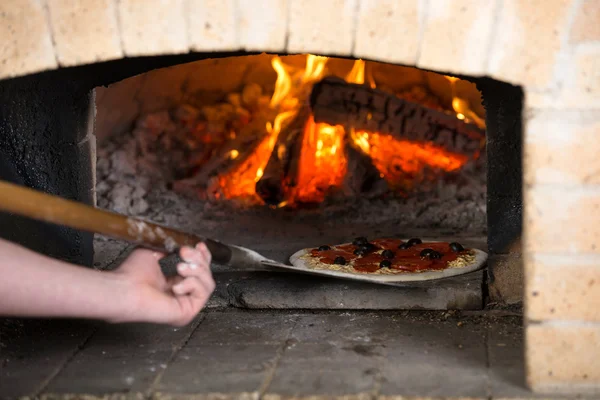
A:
{"points": [[281, 173], [362, 177], [335, 101]]}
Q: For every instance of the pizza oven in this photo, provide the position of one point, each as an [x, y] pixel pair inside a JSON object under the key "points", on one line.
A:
{"points": [[269, 139], [257, 150]]}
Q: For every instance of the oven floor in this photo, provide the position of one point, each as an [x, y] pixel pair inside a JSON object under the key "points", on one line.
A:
{"points": [[277, 354], [277, 234]]}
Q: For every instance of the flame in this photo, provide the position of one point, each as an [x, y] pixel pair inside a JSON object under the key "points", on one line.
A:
{"points": [[401, 161], [283, 84], [322, 165], [242, 181], [462, 107], [357, 73], [315, 66]]}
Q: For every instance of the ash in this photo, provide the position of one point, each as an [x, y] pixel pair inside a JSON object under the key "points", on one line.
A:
{"points": [[137, 171]]}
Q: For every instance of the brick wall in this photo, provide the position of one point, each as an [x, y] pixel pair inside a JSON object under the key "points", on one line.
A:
{"points": [[549, 47]]}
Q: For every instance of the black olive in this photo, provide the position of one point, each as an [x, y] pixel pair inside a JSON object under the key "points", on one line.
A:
{"points": [[426, 252], [360, 241], [431, 254], [367, 248], [324, 248], [388, 254], [414, 241], [360, 252], [404, 246], [456, 247], [339, 260], [435, 255], [385, 264]]}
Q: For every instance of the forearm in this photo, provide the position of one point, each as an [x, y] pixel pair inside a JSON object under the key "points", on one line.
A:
{"points": [[38, 286]]}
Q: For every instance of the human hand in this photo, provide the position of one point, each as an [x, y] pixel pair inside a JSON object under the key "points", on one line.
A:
{"points": [[154, 298]]}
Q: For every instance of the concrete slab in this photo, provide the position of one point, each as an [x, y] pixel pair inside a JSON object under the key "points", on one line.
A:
{"points": [[435, 359], [249, 354], [326, 369], [121, 358], [386, 353], [243, 327], [220, 368], [32, 352], [281, 290], [369, 328]]}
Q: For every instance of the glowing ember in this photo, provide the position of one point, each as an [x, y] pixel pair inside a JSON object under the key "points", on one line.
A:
{"points": [[322, 163], [402, 162]]}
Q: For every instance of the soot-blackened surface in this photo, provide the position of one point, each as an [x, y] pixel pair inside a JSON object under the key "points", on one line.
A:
{"points": [[503, 104], [42, 121], [43, 124]]}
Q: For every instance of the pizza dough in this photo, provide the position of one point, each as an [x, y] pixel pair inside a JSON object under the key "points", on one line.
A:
{"points": [[404, 264]]}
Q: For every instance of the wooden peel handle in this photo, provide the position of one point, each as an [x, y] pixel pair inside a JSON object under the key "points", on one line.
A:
{"points": [[49, 208]]}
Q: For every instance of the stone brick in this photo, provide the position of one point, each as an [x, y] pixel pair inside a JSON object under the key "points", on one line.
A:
{"points": [[238, 368], [199, 396], [562, 147], [26, 44], [85, 32], [402, 397], [322, 27], [212, 25], [262, 25], [47, 344], [581, 89], [563, 357], [150, 27], [121, 359], [563, 288], [457, 36], [388, 30], [527, 43], [507, 283], [561, 220], [359, 396], [324, 368], [586, 27]]}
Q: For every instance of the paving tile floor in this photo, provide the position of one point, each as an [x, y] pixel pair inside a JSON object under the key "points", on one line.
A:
{"points": [[269, 354]]}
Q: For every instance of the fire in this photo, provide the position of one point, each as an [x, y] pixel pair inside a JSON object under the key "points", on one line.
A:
{"points": [[400, 162], [322, 163], [357, 73], [461, 107], [283, 85]]}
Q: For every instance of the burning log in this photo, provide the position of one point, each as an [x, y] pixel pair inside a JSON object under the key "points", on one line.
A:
{"points": [[281, 173], [231, 154], [362, 178], [334, 101]]}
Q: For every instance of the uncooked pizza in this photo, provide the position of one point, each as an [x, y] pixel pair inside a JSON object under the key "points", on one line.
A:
{"points": [[389, 257]]}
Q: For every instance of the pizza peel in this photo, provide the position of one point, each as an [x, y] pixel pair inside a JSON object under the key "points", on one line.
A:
{"points": [[54, 209]]}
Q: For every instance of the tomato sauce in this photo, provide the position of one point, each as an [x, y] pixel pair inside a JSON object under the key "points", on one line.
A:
{"points": [[409, 260]]}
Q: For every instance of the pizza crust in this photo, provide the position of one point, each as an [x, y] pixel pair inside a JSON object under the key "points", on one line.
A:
{"points": [[302, 261]]}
